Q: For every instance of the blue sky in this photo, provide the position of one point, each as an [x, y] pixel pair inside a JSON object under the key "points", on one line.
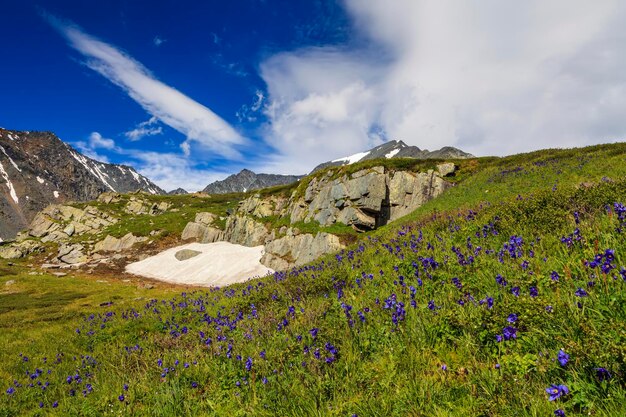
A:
{"points": [[191, 91]]}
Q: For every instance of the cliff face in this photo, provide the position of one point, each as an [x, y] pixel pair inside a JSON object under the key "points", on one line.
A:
{"points": [[38, 169]]}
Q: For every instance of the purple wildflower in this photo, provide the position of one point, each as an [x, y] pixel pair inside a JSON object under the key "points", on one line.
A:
{"points": [[556, 391]]}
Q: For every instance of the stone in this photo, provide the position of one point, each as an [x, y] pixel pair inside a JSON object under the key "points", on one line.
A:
{"points": [[41, 225], [184, 254], [50, 266], [446, 169], [19, 249], [71, 254], [299, 250], [56, 236], [109, 197], [70, 229], [59, 274], [193, 230], [113, 244], [245, 231], [205, 218], [135, 206], [9, 282]]}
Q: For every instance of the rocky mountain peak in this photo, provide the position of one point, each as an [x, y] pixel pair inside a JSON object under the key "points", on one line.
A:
{"points": [[396, 149], [38, 169], [246, 180]]}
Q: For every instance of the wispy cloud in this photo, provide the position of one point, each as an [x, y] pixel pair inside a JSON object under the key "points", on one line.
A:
{"points": [[158, 41], [143, 129], [199, 124], [249, 113]]}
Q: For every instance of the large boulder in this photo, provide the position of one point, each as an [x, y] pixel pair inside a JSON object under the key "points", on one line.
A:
{"points": [[184, 254], [113, 244], [72, 254], [245, 231], [296, 250], [202, 233]]}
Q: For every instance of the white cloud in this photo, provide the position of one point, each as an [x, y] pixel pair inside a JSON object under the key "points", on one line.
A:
{"points": [[158, 41], [248, 113], [94, 142], [144, 129], [490, 77], [200, 125], [170, 171]]}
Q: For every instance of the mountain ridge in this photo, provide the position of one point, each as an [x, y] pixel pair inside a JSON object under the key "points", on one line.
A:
{"points": [[38, 169], [247, 180], [396, 149]]}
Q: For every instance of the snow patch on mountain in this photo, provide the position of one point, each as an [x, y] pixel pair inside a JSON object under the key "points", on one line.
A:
{"points": [[9, 184]]}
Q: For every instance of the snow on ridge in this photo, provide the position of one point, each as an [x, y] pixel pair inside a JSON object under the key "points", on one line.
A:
{"points": [[392, 153], [10, 160], [9, 184], [353, 158], [56, 194], [40, 180], [81, 159]]}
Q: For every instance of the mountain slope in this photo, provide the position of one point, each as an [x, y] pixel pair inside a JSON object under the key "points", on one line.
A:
{"points": [[247, 180], [37, 169], [396, 149]]}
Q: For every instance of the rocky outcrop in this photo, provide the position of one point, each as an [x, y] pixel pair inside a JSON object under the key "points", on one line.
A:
{"points": [[369, 198], [201, 230], [57, 223], [72, 254], [138, 205], [296, 250], [246, 231], [113, 244], [263, 207], [19, 249]]}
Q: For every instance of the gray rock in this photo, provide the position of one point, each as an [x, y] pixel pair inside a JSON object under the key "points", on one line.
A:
{"points": [[245, 231], [41, 225], [205, 218], [72, 254], [9, 282], [184, 254], [56, 236], [446, 169], [109, 197], [113, 244], [299, 250], [193, 230], [70, 229], [59, 274], [19, 249]]}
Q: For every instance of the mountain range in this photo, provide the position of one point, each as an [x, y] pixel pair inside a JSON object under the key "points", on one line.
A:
{"points": [[38, 169], [246, 180], [396, 149]]}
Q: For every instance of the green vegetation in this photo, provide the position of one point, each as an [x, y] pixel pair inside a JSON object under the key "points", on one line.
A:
{"points": [[473, 305]]}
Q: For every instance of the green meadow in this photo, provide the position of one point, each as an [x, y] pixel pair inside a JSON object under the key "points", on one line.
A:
{"points": [[506, 296]]}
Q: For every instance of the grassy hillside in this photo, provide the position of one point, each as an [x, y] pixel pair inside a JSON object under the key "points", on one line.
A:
{"points": [[504, 297]]}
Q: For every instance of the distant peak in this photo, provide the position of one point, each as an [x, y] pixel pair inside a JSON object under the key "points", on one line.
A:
{"points": [[246, 171]]}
